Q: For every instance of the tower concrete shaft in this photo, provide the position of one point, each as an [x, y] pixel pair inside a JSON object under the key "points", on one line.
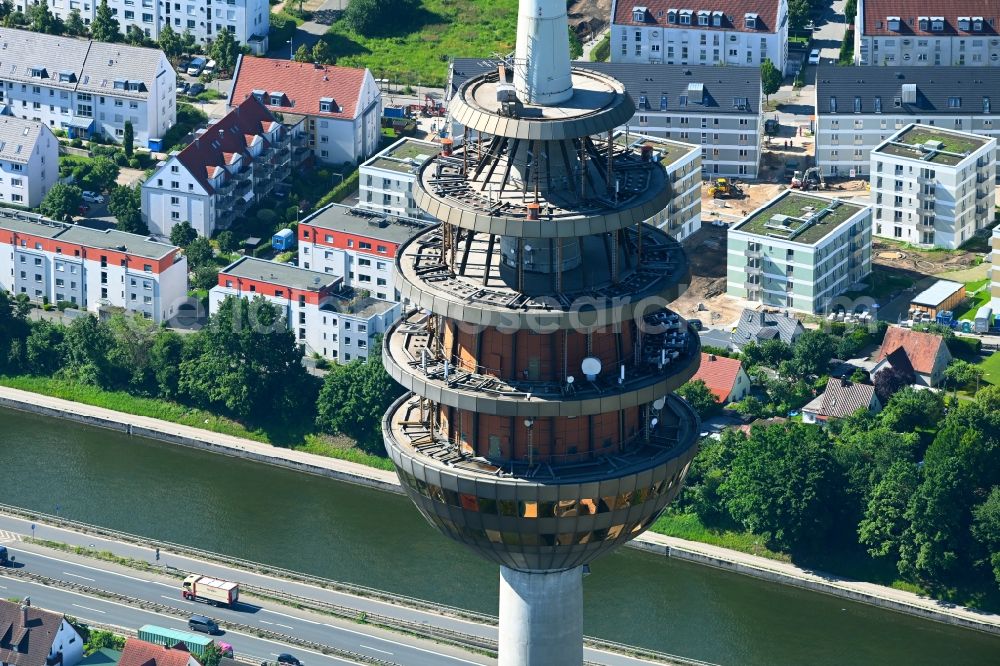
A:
{"points": [[541, 615], [541, 55]]}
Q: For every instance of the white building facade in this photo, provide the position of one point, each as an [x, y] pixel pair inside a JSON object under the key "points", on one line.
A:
{"points": [[931, 187], [386, 180], [925, 33], [338, 324], [700, 32], [29, 161], [682, 162], [52, 262]]}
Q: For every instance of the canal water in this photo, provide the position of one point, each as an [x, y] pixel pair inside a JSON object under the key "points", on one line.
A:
{"points": [[373, 538]]}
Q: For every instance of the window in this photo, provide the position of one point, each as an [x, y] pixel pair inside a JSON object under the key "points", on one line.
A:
{"points": [[954, 102]]}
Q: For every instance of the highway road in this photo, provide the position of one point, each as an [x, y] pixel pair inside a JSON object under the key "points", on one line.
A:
{"points": [[267, 615], [313, 627]]}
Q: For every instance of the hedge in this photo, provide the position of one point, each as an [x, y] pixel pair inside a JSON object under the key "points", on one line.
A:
{"points": [[347, 186]]}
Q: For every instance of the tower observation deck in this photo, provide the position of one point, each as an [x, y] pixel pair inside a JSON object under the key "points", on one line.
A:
{"points": [[540, 427]]}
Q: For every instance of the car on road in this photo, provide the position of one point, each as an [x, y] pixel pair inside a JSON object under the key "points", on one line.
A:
{"points": [[196, 89], [92, 197], [204, 624], [5, 558], [814, 57], [285, 658]]}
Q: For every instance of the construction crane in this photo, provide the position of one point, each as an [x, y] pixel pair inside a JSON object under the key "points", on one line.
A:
{"points": [[723, 188]]}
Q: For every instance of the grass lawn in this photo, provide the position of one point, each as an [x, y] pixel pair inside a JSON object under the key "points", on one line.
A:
{"points": [[991, 368], [689, 526], [974, 300], [418, 53]]}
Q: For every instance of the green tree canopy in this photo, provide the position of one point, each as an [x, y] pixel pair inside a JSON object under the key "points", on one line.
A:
{"points": [[881, 529], [701, 398], [321, 53], [169, 41], [302, 54], [97, 175], [74, 24], [228, 242], [43, 348], [135, 36], [374, 17], [910, 409], [199, 253], [224, 51], [87, 347], [41, 19], [128, 139], [61, 201], [962, 374], [206, 276], [770, 77], [125, 203], [986, 529], [105, 27], [812, 352], [182, 233]]}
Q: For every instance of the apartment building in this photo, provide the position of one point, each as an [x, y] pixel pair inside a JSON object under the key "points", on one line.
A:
{"points": [[357, 245], [799, 251], [248, 20], [88, 88], [218, 176], [994, 270], [857, 109], [327, 317], [342, 105], [933, 187], [52, 262], [386, 180], [682, 162], [716, 108], [925, 33], [741, 33], [29, 161]]}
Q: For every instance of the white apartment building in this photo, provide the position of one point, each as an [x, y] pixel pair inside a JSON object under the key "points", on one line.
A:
{"points": [[326, 317], [52, 262], [799, 251], [219, 175], [682, 162], [386, 180], [857, 110], [700, 32], [29, 161], [87, 87], [342, 106], [933, 187], [248, 20], [994, 271], [357, 245], [924, 33], [715, 108]]}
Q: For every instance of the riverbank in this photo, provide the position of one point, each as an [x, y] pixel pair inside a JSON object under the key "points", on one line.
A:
{"points": [[721, 558]]}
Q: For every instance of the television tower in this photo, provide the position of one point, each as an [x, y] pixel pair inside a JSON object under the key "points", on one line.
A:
{"points": [[540, 427]]}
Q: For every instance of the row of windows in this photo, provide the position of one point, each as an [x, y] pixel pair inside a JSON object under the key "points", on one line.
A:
{"points": [[531, 539]]}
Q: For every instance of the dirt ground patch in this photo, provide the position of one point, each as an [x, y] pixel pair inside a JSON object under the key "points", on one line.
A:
{"points": [[706, 252], [916, 262], [733, 210], [589, 16]]}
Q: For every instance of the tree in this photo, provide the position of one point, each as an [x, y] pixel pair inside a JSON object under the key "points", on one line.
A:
{"points": [[74, 24], [125, 203], [890, 380], [128, 139], [205, 277], [769, 353], [135, 36], [61, 201], [812, 353], [302, 54], [321, 53], [374, 17], [782, 483], [575, 45], [227, 242], [353, 399], [909, 410], [133, 337], [962, 374], [881, 529], [105, 27], [850, 11], [169, 41], [6, 9], [13, 327], [770, 78], [165, 356], [224, 51], [189, 43], [97, 175], [701, 398], [41, 19], [42, 348], [212, 655], [798, 13], [87, 346], [199, 253], [182, 234], [99, 640], [986, 529]]}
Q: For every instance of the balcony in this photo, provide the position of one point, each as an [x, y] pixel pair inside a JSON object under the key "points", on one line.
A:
{"points": [[754, 270]]}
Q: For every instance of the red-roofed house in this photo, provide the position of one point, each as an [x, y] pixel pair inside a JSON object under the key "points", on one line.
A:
{"points": [[725, 377], [342, 105], [219, 175], [927, 354], [141, 653], [927, 33], [739, 33]]}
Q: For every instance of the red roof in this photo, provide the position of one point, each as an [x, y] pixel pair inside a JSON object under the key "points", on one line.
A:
{"points": [[301, 85], [221, 141], [141, 653], [719, 374], [921, 348], [734, 13], [909, 12]]}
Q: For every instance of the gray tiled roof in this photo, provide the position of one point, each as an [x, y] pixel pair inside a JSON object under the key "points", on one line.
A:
{"points": [[18, 138], [722, 85], [366, 223], [935, 85], [85, 65], [843, 398], [29, 645], [758, 326]]}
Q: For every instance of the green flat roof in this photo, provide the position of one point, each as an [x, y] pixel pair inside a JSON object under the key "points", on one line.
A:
{"points": [[404, 155], [787, 218], [911, 142]]}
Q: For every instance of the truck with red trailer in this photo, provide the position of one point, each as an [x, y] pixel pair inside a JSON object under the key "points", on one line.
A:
{"points": [[210, 590]]}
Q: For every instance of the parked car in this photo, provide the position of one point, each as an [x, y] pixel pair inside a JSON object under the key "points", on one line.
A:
{"points": [[182, 88], [771, 126], [82, 209], [196, 89], [209, 67], [196, 66], [184, 63], [814, 57], [285, 658], [92, 197]]}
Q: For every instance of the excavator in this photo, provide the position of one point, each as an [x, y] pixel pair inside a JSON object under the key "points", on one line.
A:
{"points": [[723, 188], [810, 180]]}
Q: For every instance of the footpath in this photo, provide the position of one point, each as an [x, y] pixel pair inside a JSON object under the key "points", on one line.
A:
{"points": [[342, 470]]}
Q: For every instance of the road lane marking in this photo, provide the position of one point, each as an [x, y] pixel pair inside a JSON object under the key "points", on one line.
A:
{"points": [[66, 573], [82, 566], [290, 617], [265, 622], [278, 624], [93, 610], [369, 647], [403, 645]]}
